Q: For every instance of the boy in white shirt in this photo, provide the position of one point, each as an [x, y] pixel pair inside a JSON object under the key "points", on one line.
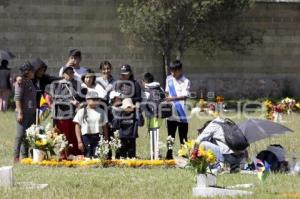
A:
{"points": [[90, 122], [74, 61], [178, 90]]}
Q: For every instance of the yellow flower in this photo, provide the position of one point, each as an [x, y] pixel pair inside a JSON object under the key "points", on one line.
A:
{"points": [[190, 144], [40, 142], [298, 105], [211, 158]]}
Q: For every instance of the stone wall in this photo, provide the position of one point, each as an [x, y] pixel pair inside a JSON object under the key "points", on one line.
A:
{"points": [[49, 29]]}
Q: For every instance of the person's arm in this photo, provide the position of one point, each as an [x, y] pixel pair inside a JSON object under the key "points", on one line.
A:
{"points": [[137, 92], [206, 134], [78, 136], [18, 98]]}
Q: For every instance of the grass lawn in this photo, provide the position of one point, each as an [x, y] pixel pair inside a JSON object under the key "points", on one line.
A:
{"points": [[140, 183]]}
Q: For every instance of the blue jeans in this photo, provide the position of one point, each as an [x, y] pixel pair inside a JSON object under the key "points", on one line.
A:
{"points": [[233, 159]]}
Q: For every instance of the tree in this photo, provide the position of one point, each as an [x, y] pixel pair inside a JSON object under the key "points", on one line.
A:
{"points": [[172, 26]]}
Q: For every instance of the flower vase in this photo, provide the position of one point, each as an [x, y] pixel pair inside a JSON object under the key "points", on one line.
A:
{"points": [[206, 180], [38, 155], [277, 117]]}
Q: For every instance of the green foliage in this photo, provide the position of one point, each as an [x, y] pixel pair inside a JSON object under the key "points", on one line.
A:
{"points": [[175, 25]]}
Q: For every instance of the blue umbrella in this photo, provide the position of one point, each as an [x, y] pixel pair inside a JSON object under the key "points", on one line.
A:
{"points": [[258, 129]]}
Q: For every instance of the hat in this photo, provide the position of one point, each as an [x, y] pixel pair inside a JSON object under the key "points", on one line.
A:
{"points": [[125, 69], [92, 95], [89, 73], [67, 68], [37, 63], [114, 94], [127, 103], [175, 65], [26, 67]]}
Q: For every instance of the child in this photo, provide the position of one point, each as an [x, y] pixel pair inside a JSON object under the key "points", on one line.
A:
{"points": [[90, 123], [25, 98], [127, 120], [67, 95], [178, 89], [153, 96]]}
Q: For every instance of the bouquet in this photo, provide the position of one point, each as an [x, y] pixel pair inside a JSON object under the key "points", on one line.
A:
{"points": [[289, 103], [50, 140], [198, 158], [105, 146]]}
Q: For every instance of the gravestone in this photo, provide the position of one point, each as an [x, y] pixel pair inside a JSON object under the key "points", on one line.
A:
{"points": [[6, 176], [213, 192]]}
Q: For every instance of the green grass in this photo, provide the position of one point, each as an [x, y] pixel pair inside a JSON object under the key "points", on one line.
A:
{"points": [[138, 183]]}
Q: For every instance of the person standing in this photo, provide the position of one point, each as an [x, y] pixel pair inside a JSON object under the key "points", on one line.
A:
{"points": [[74, 62], [178, 90], [67, 95], [89, 82], [41, 79], [25, 98], [106, 80], [5, 86]]}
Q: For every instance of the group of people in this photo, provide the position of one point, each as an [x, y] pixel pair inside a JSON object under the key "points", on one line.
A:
{"points": [[86, 104]]}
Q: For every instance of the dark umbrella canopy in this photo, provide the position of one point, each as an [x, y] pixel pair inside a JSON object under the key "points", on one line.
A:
{"points": [[257, 129], [6, 55]]}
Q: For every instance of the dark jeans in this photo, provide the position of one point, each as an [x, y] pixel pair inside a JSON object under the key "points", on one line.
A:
{"points": [[21, 145], [90, 142], [182, 130], [128, 148]]}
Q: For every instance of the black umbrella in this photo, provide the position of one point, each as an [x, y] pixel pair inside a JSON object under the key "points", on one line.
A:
{"points": [[6, 55], [257, 129]]}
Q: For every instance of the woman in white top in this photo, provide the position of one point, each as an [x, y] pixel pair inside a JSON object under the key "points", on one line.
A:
{"points": [[89, 82], [74, 61], [106, 79]]}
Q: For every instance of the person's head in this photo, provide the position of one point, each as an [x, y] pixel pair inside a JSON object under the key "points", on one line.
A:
{"points": [[39, 66], [4, 64], [68, 73], [148, 78], [105, 68], [115, 98], [126, 72], [176, 69], [92, 99], [27, 70], [75, 57], [89, 78]]}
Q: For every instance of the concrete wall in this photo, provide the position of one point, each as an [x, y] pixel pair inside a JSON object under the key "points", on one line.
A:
{"points": [[49, 29]]}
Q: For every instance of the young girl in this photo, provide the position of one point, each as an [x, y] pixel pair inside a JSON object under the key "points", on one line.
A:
{"points": [[90, 123], [127, 120], [25, 98]]}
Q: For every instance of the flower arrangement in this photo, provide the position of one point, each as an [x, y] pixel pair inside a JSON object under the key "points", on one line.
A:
{"points": [[220, 99], [198, 158], [268, 106], [289, 103], [170, 142], [105, 146], [97, 162], [50, 140]]}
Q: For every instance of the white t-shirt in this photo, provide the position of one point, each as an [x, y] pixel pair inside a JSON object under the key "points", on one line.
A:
{"points": [[182, 88], [98, 89], [78, 72], [96, 119]]}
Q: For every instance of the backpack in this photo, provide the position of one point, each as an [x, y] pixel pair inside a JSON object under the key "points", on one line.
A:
{"points": [[157, 107], [234, 137]]}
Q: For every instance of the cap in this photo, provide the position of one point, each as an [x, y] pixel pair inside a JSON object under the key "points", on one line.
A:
{"points": [[125, 69], [92, 95], [68, 68]]}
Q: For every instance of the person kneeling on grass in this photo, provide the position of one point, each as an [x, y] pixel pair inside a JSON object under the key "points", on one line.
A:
{"points": [[213, 136], [90, 122]]}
